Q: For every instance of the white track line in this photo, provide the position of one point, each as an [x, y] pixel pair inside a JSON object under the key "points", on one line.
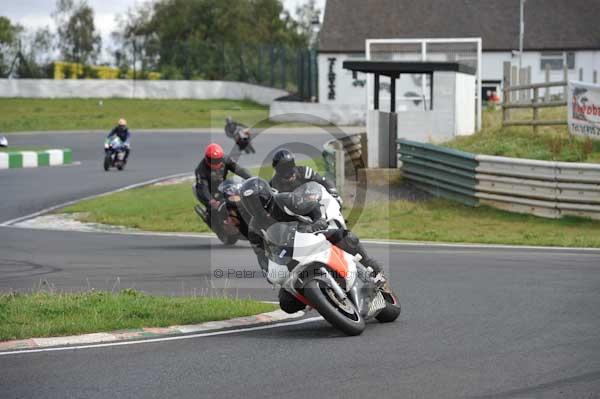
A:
{"points": [[52, 208], [177, 338]]}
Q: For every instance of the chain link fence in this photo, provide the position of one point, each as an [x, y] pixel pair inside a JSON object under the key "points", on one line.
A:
{"points": [[282, 67]]}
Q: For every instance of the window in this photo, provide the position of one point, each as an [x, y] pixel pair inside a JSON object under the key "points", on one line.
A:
{"points": [[555, 61]]}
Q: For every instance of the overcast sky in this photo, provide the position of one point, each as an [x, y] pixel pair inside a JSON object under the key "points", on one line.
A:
{"points": [[36, 13]]}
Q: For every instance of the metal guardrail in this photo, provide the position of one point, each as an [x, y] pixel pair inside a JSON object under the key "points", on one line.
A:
{"points": [[443, 172], [543, 188], [343, 157]]}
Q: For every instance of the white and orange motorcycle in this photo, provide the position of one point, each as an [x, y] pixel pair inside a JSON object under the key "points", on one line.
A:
{"points": [[318, 273]]}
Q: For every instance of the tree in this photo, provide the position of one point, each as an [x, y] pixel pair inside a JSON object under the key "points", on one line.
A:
{"points": [[307, 16], [137, 42], [78, 39], [35, 53], [221, 39], [9, 45]]}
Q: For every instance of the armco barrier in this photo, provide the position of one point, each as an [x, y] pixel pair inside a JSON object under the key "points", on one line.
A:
{"points": [[353, 156], [543, 188], [440, 171]]}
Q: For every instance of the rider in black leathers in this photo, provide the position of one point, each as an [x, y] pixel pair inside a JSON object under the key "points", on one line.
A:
{"points": [[211, 172], [240, 133], [258, 201], [288, 176]]}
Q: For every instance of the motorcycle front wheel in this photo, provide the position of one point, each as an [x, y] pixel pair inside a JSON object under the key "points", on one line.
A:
{"points": [[107, 162], [341, 315], [228, 240]]}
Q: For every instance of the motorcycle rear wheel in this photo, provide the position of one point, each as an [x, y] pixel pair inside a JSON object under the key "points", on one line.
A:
{"points": [[392, 308], [349, 324]]}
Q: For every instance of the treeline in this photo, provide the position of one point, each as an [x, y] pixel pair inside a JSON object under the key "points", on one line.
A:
{"points": [[247, 40]]}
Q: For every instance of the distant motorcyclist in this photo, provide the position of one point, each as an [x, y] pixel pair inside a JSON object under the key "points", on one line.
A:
{"points": [[240, 133], [211, 172], [122, 132], [258, 201], [288, 176]]}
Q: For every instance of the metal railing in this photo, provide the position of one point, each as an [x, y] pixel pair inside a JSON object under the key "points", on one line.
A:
{"points": [[543, 188], [343, 157]]}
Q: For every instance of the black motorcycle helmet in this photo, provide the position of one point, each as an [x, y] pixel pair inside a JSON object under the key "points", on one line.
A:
{"points": [[284, 163], [256, 195]]}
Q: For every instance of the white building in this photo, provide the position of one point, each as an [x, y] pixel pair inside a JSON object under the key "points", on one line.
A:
{"points": [[556, 31]]}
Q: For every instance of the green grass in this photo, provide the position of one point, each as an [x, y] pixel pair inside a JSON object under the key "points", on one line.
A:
{"points": [[155, 208], [169, 208], [28, 114], [445, 221], [49, 314], [17, 149], [549, 143]]}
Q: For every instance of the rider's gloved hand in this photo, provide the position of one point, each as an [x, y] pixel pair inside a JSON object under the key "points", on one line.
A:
{"points": [[319, 225], [214, 203]]}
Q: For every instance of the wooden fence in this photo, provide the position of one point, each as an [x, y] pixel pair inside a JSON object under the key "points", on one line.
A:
{"points": [[525, 95]]}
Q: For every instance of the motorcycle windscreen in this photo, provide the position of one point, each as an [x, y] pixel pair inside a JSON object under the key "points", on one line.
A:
{"points": [[302, 201], [231, 188], [116, 142], [279, 242]]}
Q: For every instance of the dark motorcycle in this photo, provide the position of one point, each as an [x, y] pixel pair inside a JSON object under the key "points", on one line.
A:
{"points": [[241, 134], [226, 220], [243, 138], [114, 157]]}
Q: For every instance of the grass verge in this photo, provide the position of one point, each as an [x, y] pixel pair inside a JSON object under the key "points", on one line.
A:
{"points": [[169, 208], [155, 208], [48, 314], [550, 143], [29, 114], [445, 221]]}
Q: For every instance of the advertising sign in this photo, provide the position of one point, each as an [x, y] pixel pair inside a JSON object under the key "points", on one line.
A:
{"points": [[584, 109]]}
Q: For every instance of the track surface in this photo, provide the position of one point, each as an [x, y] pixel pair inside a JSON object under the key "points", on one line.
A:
{"points": [[492, 323]]}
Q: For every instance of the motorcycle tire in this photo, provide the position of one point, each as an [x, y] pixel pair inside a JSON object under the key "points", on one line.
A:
{"points": [[107, 162], [228, 240], [349, 324], [121, 166], [392, 308]]}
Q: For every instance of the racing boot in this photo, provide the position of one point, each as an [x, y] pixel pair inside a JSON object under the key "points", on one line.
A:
{"points": [[374, 267], [368, 261]]}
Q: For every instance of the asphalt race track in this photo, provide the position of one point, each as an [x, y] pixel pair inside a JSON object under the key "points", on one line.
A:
{"points": [[476, 322]]}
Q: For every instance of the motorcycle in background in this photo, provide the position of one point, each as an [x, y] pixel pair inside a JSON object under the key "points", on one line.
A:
{"points": [[227, 221], [114, 149], [241, 134]]}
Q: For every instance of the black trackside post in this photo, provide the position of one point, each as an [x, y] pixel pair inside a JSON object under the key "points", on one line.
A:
{"points": [[376, 93]]}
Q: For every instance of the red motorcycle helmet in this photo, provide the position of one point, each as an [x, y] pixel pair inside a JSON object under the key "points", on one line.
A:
{"points": [[213, 156]]}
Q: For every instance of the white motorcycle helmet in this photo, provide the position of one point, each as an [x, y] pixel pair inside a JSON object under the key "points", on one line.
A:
{"points": [[3, 141]]}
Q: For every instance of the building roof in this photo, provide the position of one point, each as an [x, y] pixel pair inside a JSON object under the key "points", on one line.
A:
{"points": [[549, 24]]}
